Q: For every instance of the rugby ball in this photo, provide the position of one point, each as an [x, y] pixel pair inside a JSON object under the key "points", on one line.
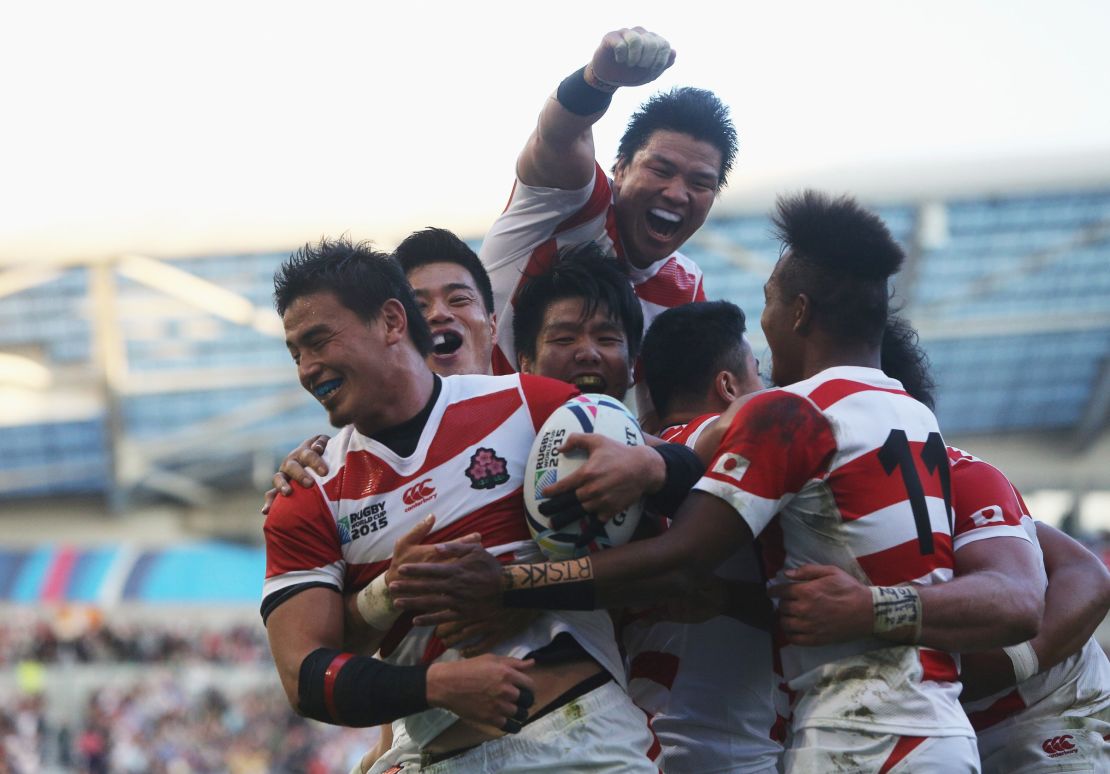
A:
{"points": [[589, 413]]}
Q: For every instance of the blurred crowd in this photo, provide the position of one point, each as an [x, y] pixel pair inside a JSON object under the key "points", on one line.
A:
{"points": [[142, 708]]}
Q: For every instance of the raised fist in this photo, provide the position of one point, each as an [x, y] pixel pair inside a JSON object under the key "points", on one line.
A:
{"points": [[630, 57]]}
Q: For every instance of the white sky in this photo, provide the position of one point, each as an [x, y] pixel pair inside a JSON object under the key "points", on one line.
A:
{"points": [[171, 128]]}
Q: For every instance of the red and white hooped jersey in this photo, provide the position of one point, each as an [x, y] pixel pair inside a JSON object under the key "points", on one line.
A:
{"points": [[846, 469], [988, 505], [708, 686], [468, 470], [537, 222]]}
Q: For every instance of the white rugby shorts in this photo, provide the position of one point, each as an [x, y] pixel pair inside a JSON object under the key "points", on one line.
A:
{"points": [[821, 749]]}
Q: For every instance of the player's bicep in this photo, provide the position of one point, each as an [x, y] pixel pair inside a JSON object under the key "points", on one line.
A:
{"points": [[1012, 558], [560, 152], [302, 623], [707, 531]]}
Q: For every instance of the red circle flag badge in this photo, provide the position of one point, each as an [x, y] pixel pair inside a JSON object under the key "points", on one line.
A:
{"points": [[731, 466]]}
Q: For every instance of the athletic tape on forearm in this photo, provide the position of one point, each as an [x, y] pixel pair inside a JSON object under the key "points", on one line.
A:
{"points": [[567, 585], [358, 691], [375, 605], [579, 97], [684, 468], [896, 608], [1025, 661]]}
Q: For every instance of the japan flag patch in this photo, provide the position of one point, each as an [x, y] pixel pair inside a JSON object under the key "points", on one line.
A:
{"points": [[730, 466], [992, 514]]}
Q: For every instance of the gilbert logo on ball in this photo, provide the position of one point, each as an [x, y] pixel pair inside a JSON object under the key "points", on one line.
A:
{"points": [[590, 413]]}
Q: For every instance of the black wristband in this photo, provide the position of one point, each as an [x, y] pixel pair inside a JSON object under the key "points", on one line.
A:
{"points": [[684, 468], [581, 98], [576, 595], [358, 691]]}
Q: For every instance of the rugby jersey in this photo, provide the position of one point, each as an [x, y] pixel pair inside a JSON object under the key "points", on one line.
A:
{"points": [[468, 470], [823, 472], [524, 241]]}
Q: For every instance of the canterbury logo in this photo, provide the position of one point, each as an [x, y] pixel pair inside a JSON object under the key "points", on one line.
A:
{"points": [[1058, 745], [419, 493]]}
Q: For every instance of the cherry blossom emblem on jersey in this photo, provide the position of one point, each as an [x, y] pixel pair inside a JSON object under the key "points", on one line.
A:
{"points": [[486, 470]]}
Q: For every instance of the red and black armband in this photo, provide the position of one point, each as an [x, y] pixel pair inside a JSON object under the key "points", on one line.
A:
{"points": [[358, 691], [684, 468]]}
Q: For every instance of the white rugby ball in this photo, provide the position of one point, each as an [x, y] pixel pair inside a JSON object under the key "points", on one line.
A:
{"points": [[589, 413]]}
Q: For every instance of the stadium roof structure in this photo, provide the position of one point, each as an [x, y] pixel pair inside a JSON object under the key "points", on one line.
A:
{"points": [[132, 378]]}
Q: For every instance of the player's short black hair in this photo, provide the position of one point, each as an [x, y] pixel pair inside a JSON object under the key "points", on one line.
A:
{"points": [[842, 256], [687, 346], [696, 112], [904, 359], [361, 277], [582, 271], [438, 245]]}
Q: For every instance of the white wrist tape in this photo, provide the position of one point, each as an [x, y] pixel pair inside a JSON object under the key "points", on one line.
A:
{"points": [[375, 605], [896, 607], [1024, 659]]}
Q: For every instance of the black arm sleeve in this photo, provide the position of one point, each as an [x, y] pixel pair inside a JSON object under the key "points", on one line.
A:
{"points": [[358, 691], [684, 468]]}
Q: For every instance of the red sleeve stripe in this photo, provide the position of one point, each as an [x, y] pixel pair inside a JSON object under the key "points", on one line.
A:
{"points": [[1008, 706], [600, 198], [937, 666], [300, 533], [904, 563], [330, 676], [540, 260], [543, 395], [500, 363], [786, 439], [977, 485], [836, 390], [669, 287], [614, 233]]}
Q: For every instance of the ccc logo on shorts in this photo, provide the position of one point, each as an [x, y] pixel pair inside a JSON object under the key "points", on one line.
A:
{"points": [[418, 494], [1058, 745]]}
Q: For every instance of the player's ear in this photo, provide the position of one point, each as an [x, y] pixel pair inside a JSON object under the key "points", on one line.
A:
{"points": [[524, 364], [396, 322], [493, 326], [802, 310], [727, 386]]}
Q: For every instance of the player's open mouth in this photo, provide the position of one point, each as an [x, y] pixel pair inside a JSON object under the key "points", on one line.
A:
{"points": [[663, 223], [446, 343], [589, 383], [324, 390]]}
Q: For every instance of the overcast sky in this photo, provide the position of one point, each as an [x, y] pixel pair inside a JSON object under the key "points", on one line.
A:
{"points": [[177, 128]]}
